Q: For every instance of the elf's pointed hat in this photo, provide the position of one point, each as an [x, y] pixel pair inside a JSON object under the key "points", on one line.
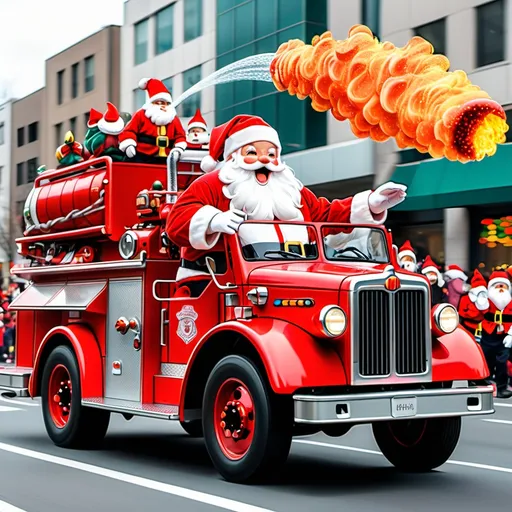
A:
{"points": [[478, 283], [240, 131], [155, 90], [406, 250], [430, 266], [499, 276], [111, 123], [94, 117], [455, 272], [197, 121]]}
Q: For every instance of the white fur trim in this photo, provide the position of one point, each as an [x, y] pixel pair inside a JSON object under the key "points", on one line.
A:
{"points": [[197, 124], [161, 96], [455, 274], [250, 135], [198, 227], [360, 212], [127, 143], [208, 164], [424, 270], [401, 254], [143, 83], [182, 145], [497, 280], [183, 273], [110, 128]]}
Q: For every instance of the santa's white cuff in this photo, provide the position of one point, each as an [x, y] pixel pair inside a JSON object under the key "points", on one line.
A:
{"points": [[182, 145], [127, 143], [198, 231], [360, 212]]}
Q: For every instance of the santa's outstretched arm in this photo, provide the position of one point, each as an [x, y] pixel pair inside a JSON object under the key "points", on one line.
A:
{"points": [[128, 137]]}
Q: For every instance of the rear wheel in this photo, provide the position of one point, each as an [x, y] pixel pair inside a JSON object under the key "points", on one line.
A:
{"points": [[69, 424], [418, 445], [247, 429]]}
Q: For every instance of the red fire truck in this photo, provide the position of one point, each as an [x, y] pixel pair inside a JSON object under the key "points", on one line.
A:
{"points": [[295, 335]]}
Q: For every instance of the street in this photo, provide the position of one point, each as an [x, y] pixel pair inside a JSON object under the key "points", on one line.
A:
{"points": [[153, 465]]}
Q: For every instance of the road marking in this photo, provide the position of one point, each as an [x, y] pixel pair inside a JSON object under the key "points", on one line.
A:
{"points": [[4, 408], [18, 402], [497, 404], [182, 492], [506, 422], [475, 465], [5, 507]]}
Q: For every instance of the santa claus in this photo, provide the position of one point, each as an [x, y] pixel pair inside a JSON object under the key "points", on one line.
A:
{"points": [[407, 257], [433, 274], [155, 130], [473, 305], [197, 132], [246, 179]]}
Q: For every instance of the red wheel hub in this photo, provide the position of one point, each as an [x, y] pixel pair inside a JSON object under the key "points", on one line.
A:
{"points": [[234, 418], [59, 395]]}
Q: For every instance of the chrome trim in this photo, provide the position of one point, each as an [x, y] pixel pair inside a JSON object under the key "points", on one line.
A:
{"points": [[370, 407], [231, 299], [323, 314], [437, 314], [155, 282], [14, 377], [135, 237], [243, 312], [163, 323], [258, 296], [166, 412], [13, 392]]}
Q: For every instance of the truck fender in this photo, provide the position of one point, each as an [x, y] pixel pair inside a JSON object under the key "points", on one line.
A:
{"points": [[292, 358], [457, 356], [86, 348]]}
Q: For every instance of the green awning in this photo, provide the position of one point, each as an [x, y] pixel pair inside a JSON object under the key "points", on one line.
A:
{"points": [[440, 183]]}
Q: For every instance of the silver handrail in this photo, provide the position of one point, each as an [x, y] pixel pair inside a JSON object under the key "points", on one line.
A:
{"points": [[155, 282], [172, 176]]}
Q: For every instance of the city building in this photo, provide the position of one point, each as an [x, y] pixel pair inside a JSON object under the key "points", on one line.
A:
{"points": [[26, 151], [83, 76]]}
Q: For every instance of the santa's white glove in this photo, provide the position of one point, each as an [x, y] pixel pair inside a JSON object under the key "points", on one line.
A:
{"points": [[507, 341], [130, 151], [480, 300], [226, 222], [386, 196], [178, 151]]}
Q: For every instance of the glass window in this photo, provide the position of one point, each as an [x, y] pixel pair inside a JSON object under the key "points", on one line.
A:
{"points": [[89, 73], [20, 178], [224, 92], [72, 125], [168, 83], [2, 134], [86, 120], [435, 34], [21, 136], [316, 126], [290, 12], [141, 42], [490, 40], [225, 32], [193, 19], [58, 135], [224, 5], [139, 98], [32, 169], [244, 88], [371, 15], [32, 131], [60, 87], [191, 104], [164, 29], [74, 80], [494, 241], [291, 123], [266, 18], [355, 244], [316, 12], [266, 107], [244, 24]]}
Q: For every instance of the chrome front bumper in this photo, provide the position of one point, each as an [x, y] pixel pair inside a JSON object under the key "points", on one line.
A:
{"points": [[14, 380], [385, 406]]}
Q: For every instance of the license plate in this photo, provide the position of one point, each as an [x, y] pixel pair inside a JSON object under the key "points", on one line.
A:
{"points": [[404, 407]]}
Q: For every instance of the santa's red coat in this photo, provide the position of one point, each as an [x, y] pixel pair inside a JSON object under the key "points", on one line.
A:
{"points": [[140, 125], [471, 316], [489, 326], [190, 217]]}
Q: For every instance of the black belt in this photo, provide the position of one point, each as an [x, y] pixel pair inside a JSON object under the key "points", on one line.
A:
{"points": [[200, 263], [506, 319], [153, 141]]}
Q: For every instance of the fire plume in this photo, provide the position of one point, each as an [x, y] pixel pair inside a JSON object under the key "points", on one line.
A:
{"points": [[384, 91]]}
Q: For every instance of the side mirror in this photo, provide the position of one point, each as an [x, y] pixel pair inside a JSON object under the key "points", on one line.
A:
{"points": [[210, 265]]}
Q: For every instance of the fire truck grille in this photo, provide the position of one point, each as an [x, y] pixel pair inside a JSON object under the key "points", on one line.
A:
{"points": [[392, 333]]}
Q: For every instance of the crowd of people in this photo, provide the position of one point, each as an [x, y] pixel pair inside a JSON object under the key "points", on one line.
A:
{"points": [[8, 324], [484, 305]]}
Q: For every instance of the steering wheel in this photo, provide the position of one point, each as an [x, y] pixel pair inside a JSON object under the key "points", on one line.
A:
{"points": [[355, 250]]}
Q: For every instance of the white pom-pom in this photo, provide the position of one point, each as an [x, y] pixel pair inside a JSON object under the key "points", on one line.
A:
{"points": [[143, 83], [208, 164]]}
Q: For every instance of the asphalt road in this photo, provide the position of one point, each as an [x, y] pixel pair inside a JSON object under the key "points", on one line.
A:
{"points": [[152, 465]]}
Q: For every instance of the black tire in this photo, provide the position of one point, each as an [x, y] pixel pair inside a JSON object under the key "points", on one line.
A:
{"points": [[85, 427], [418, 445], [273, 421], [193, 428]]}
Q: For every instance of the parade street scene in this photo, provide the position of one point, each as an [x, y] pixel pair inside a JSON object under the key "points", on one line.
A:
{"points": [[256, 255]]}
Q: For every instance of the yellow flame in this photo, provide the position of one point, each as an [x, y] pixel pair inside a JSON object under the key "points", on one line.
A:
{"points": [[490, 133]]}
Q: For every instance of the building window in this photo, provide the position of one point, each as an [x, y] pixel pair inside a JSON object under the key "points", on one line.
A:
{"points": [[435, 34], [168, 83], [141, 42], [1, 176], [86, 121], [89, 73], [72, 126], [2, 134], [21, 136], [193, 19], [32, 131], [139, 98], [192, 103], [60, 87], [58, 135], [164, 30], [74, 80], [20, 178], [371, 15], [32, 170], [490, 40]]}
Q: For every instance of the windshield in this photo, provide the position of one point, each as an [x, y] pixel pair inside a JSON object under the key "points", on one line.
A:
{"points": [[278, 241], [355, 244]]}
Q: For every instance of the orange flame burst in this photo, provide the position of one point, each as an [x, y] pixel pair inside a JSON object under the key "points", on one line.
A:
{"points": [[384, 91]]}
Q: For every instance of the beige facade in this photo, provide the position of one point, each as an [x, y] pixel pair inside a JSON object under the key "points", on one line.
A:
{"points": [[84, 76]]}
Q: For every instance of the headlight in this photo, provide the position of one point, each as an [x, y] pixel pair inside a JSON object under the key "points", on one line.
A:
{"points": [[333, 321], [128, 245], [446, 318]]}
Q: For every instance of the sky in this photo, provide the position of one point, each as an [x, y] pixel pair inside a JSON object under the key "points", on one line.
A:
{"points": [[33, 30]]}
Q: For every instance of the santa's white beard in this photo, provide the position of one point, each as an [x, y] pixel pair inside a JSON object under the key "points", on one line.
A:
{"points": [[198, 138], [409, 265], [158, 116], [500, 298], [279, 199]]}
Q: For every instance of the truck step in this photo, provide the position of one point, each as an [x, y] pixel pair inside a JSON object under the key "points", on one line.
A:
{"points": [[14, 380], [167, 412]]}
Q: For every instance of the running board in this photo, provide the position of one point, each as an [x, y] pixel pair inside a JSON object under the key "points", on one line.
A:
{"points": [[162, 411]]}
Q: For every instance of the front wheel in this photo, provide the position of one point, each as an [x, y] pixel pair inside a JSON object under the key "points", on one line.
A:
{"points": [[418, 445], [247, 429]]}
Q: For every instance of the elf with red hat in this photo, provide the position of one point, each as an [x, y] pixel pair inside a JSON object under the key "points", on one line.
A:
{"points": [[155, 130], [432, 272], [92, 130], [407, 257], [473, 305], [247, 179], [197, 134], [105, 142]]}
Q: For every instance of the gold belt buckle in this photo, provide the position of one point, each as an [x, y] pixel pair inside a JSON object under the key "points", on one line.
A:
{"points": [[300, 245], [478, 330], [162, 141], [498, 317]]}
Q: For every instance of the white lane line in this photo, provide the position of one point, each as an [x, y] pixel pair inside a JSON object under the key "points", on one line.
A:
{"points": [[475, 465], [19, 402], [4, 408], [497, 404], [182, 492], [5, 507], [506, 422]]}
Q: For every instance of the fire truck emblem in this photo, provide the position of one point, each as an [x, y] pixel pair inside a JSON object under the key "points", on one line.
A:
{"points": [[187, 329]]}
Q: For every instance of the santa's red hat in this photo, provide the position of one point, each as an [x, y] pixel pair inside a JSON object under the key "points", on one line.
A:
{"points": [[406, 250], [455, 272], [478, 283], [197, 121], [499, 276], [94, 117], [430, 266], [155, 89], [240, 131], [111, 123]]}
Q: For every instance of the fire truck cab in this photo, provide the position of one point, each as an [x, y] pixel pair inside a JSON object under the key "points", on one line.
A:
{"points": [[314, 330]]}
